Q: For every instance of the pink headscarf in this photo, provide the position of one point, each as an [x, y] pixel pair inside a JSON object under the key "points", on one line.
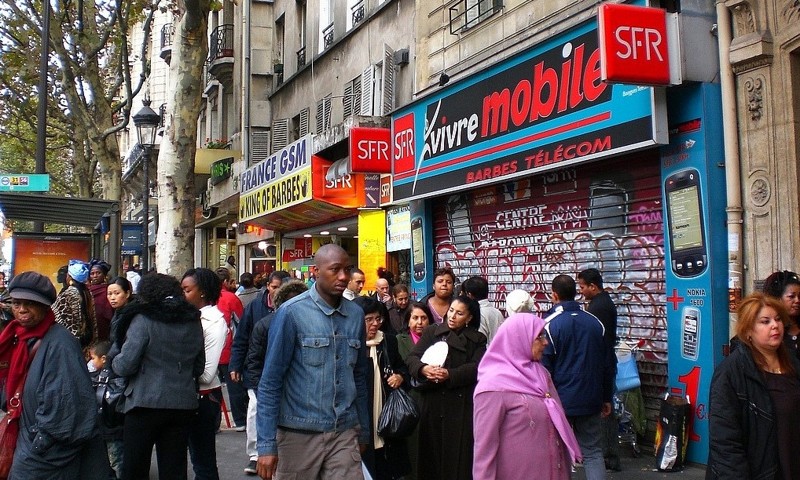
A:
{"points": [[507, 366]]}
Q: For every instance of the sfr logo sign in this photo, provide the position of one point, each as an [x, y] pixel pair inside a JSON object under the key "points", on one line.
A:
{"points": [[634, 45]]}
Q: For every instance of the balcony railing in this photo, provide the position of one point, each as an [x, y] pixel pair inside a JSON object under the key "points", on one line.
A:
{"points": [[167, 34], [301, 57], [221, 43], [327, 35], [357, 11]]}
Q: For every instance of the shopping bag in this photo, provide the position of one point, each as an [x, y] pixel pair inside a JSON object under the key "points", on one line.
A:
{"points": [[627, 372], [399, 415], [672, 436]]}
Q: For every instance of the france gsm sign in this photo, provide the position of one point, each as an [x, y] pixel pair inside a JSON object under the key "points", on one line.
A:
{"points": [[633, 44]]}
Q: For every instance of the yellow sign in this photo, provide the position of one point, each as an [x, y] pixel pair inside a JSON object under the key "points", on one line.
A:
{"points": [[275, 196]]}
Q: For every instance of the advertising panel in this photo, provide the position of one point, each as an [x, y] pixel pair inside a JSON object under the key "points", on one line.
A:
{"points": [[292, 158], [543, 109], [398, 228], [695, 249], [45, 254], [369, 150], [277, 195]]}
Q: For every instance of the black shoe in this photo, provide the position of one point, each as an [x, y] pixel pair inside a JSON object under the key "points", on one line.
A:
{"points": [[250, 469], [613, 464]]}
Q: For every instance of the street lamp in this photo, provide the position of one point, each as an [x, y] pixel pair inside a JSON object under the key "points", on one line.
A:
{"points": [[146, 121]]}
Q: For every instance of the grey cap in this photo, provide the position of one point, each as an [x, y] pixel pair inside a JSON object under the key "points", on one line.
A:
{"points": [[32, 286]]}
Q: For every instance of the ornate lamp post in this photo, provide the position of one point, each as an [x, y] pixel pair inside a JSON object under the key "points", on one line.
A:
{"points": [[146, 121]]}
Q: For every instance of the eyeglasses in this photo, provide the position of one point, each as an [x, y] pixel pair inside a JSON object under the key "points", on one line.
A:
{"points": [[374, 320]]}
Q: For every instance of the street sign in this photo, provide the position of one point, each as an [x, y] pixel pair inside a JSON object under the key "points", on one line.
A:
{"points": [[38, 182]]}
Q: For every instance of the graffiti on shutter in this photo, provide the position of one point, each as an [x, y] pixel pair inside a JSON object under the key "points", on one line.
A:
{"points": [[606, 215]]}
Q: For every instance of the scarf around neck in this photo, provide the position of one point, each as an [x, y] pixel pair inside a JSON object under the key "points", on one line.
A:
{"points": [[15, 356], [377, 387], [507, 366]]}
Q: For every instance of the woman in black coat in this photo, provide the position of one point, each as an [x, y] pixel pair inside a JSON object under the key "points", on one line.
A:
{"points": [[445, 428], [753, 413], [386, 459]]}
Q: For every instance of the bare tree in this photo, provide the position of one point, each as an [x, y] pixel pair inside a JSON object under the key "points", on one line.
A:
{"points": [[90, 87], [176, 190]]}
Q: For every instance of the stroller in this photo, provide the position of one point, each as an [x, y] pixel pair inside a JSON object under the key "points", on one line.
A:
{"points": [[626, 383]]}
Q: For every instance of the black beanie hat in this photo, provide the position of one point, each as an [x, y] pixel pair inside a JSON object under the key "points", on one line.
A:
{"points": [[32, 286]]}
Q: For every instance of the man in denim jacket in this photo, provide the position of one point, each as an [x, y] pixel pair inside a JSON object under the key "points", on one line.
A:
{"points": [[312, 398]]}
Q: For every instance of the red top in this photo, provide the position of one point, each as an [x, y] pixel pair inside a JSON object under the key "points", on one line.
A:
{"points": [[228, 303]]}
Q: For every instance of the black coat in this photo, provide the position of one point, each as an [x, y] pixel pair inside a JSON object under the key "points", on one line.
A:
{"points": [[393, 462], [743, 440], [256, 352], [445, 431]]}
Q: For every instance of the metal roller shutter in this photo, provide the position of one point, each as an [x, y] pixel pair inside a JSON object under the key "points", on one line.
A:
{"points": [[606, 215]]}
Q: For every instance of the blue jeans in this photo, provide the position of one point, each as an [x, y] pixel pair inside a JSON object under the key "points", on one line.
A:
{"points": [[589, 433], [114, 448], [202, 436]]}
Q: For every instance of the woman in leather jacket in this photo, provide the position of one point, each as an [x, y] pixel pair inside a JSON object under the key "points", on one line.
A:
{"points": [[754, 393]]}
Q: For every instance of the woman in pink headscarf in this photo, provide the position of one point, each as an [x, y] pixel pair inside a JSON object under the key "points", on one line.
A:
{"points": [[519, 422]]}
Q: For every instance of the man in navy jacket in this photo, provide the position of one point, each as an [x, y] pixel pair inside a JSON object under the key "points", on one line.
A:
{"points": [[581, 370]]}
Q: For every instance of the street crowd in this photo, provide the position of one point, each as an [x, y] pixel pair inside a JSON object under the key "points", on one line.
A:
{"points": [[319, 376]]}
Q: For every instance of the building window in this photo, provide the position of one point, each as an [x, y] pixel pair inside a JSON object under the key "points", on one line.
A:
{"points": [[469, 13]]}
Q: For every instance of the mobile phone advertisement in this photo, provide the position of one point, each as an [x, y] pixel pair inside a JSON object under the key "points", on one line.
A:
{"points": [[695, 244]]}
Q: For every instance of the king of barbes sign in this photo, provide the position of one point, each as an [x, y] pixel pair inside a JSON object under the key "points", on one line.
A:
{"points": [[279, 181]]}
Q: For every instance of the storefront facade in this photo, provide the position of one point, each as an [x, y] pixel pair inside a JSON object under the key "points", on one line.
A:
{"points": [[535, 167]]}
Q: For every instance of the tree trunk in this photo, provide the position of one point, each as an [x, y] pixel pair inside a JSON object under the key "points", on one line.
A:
{"points": [[176, 191]]}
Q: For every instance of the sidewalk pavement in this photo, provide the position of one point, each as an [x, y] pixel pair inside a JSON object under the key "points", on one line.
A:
{"points": [[231, 460]]}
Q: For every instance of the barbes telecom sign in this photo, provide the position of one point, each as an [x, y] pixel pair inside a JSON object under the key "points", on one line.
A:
{"points": [[280, 181], [545, 108]]}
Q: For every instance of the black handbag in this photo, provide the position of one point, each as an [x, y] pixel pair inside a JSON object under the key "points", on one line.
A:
{"points": [[110, 394], [399, 415]]}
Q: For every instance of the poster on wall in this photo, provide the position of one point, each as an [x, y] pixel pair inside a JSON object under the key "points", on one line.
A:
{"points": [[45, 253]]}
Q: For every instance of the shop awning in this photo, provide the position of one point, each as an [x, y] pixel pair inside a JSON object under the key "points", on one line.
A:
{"points": [[306, 214], [85, 212]]}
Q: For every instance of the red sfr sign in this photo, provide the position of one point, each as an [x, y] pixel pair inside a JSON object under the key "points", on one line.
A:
{"points": [[633, 44]]}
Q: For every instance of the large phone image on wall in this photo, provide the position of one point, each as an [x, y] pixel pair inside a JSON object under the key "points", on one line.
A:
{"points": [[418, 248], [688, 246]]}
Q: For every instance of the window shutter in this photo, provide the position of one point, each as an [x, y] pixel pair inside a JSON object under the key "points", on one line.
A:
{"points": [[347, 100], [387, 105], [280, 134], [367, 90], [304, 114], [327, 101], [320, 118], [259, 145], [357, 96]]}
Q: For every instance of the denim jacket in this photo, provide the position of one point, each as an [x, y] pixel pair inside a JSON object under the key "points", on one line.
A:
{"points": [[315, 371]]}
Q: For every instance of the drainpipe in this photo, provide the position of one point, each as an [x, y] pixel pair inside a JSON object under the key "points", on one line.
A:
{"points": [[246, 80], [733, 177]]}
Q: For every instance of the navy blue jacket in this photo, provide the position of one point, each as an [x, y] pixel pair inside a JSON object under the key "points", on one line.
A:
{"points": [[255, 311], [576, 358]]}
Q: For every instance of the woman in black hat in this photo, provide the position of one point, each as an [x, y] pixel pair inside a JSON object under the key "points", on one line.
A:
{"points": [[46, 389]]}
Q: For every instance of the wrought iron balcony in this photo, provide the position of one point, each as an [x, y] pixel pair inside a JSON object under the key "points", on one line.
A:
{"points": [[220, 54], [301, 57], [327, 35], [357, 11], [221, 43], [167, 35]]}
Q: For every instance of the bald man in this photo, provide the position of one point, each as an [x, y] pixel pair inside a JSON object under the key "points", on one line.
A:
{"points": [[312, 398]]}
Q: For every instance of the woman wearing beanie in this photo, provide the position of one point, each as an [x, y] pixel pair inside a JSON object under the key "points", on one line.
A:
{"points": [[41, 365], [74, 306], [162, 357]]}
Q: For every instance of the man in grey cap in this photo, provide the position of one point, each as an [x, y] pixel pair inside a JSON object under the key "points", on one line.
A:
{"points": [[41, 364]]}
